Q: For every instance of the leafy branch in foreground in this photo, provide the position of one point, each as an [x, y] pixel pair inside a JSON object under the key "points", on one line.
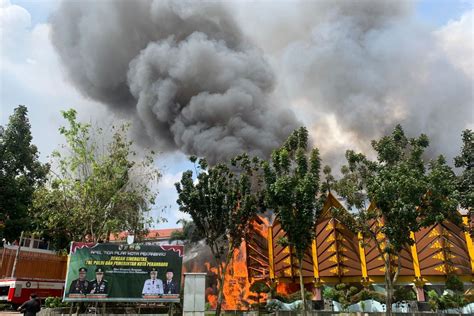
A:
{"points": [[97, 187]]}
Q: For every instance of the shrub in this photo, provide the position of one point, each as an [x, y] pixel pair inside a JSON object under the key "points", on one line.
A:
{"points": [[342, 294], [447, 301], [404, 293], [54, 302], [454, 283]]}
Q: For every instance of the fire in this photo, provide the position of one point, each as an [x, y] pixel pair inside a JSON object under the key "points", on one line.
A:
{"points": [[237, 294], [287, 288], [236, 285], [212, 299]]}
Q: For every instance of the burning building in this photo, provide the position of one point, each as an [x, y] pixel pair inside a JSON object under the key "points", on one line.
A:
{"points": [[337, 255]]}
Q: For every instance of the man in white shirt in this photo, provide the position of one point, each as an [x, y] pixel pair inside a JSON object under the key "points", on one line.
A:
{"points": [[153, 286]]}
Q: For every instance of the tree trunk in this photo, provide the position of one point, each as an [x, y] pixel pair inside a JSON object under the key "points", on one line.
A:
{"points": [[388, 286], [303, 296], [220, 296]]}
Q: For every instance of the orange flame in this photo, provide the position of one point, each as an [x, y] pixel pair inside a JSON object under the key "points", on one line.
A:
{"points": [[287, 288], [237, 294]]}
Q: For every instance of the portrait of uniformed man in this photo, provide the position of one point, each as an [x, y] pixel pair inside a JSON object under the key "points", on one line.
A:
{"points": [[80, 285], [153, 286], [169, 285], [99, 285]]}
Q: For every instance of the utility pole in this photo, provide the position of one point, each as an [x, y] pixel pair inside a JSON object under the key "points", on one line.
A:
{"points": [[17, 256]]}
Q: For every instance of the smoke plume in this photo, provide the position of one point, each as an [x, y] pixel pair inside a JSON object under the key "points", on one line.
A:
{"points": [[354, 69], [182, 71], [191, 77]]}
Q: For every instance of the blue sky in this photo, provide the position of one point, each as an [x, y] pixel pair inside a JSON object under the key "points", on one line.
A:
{"points": [[439, 12], [434, 12], [32, 75]]}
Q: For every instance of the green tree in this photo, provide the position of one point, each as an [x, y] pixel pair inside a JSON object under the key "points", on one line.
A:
{"points": [[20, 174], [292, 187], [408, 195], [97, 187], [221, 203], [188, 234], [466, 179]]}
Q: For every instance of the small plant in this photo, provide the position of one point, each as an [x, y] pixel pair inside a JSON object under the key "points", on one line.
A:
{"points": [[450, 300], [342, 294], [368, 294], [274, 305], [404, 293], [54, 302], [433, 300], [453, 283]]}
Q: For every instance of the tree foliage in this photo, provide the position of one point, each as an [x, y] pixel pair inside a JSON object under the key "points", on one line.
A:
{"points": [[292, 187], [188, 234], [407, 193], [466, 179], [452, 297], [221, 203], [97, 187], [20, 174], [342, 293], [446, 301]]}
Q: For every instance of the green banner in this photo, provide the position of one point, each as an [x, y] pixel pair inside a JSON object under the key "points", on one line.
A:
{"points": [[123, 273]]}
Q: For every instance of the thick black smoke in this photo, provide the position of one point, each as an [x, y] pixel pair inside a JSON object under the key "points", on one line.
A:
{"points": [[182, 71]]}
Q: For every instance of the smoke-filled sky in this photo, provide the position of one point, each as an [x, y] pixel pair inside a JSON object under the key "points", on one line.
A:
{"points": [[216, 78]]}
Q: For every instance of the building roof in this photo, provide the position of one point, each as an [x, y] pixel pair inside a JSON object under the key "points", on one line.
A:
{"points": [[155, 234]]}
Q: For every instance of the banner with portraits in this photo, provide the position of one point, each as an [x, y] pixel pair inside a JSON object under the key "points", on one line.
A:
{"points": [[123, 273]]}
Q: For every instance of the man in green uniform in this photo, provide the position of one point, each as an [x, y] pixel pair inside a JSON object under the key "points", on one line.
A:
{"points": [[81, 285], [99, 285]]}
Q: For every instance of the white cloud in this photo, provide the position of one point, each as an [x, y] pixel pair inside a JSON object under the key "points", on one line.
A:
{"points": [[30, 74], [15, 23], [457, 39], [13, 18]]}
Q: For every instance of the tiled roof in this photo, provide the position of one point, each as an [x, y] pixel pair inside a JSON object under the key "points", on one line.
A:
{"points": [[152, 234]]}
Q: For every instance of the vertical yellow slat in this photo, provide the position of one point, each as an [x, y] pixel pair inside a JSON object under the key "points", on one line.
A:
{"points": [[470, 247], [270, 253], [363, 264], [414, 254], [315, 259]]}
